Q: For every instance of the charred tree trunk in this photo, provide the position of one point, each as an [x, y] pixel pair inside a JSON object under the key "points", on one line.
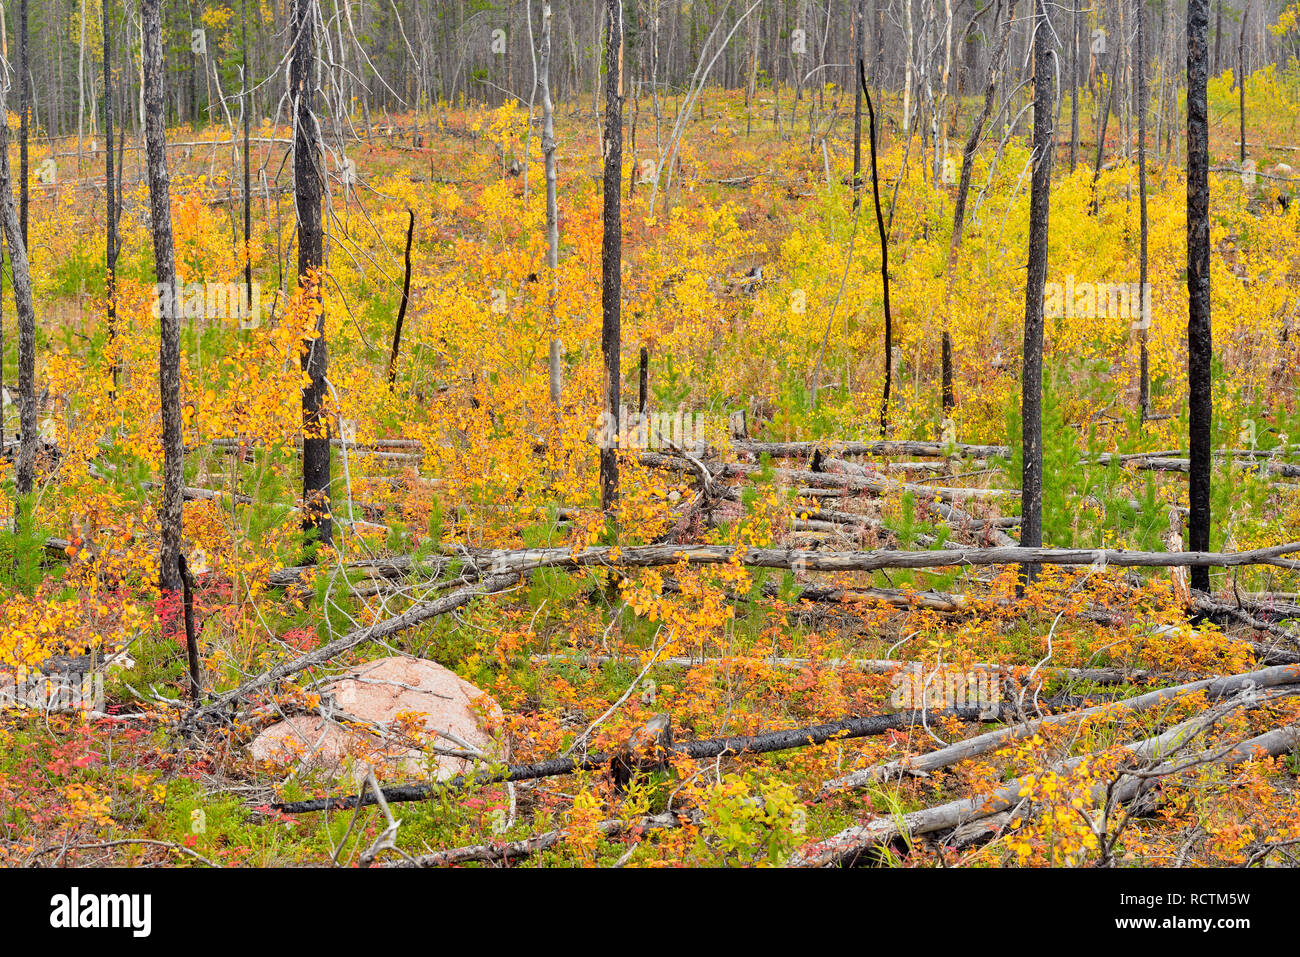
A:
{"points": [[247, 108], [611, 251], [308, 191], [24, 111], [169, 350], [26, 470], [1031, 534], [1144, 323], [110, 229], [859, 54], [963, 190], [884, 250], [1200, 347], [554, 355], [1241, 76]]}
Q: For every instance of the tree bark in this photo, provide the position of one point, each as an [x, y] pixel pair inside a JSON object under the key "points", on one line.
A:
{"points": [[26, 470], [1031, 401], [24, 111], [1200, 346], [611, 251], [110, 229], [963, 190], [554, 352], [308, 190], [1144, 323], [169, 350]]}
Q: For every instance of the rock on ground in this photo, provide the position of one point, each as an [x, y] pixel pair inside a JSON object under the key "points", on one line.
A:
{"points": [[401, 705]]}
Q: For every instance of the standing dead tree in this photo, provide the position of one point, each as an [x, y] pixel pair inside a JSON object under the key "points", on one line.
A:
{"points": [[308, 192], [611, 250], [1144, 323], [963, 190], [555, 354], [1031, 383], [884, 248], [26, 326], [169, 350], [110, 228], [1200, 346]]}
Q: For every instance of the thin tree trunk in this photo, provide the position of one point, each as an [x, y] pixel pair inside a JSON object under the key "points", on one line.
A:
{"points": [[1144, 324], [859, 52], [963, 189], [611, 251], [26, 333], [169, 353], [1074, 89], [1241, 76], [110, 229], [24, 110], [1031, 525], [308, 191], [247, 109], [884, 251], [555, 350], [1200, 347]]}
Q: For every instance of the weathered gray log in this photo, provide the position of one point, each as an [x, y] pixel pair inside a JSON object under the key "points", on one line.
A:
{"points": [[883, 448], [992, 741], [849, 844], [857, 483], [382, 629]]}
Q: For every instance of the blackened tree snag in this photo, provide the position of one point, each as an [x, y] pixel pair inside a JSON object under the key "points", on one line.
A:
{"points": [[611, 249], [554, 355], [963, 190], [1241, 77], [169, 350], [191, 632], [406, 297], [26, 328], [1031, 386], [110, 228], [859, 54], [308, 191], [884, 249], [246, 107], [1200, 345], [24, 111], [1144, 323]]}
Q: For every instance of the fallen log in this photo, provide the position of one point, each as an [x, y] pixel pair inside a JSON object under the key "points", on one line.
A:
{"points": [[857, 483], [647, 556], [993, 740], [849, 844], [514, 850], [390, 626], [697, 750], [788, 450], [884, 666]]}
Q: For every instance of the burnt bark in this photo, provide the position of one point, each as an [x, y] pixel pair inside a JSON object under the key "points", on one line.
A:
{"points": [[1200, 346], [1031, 388], [110, 228], [26, 313], [1144, 324], [308, 191], [884, 249], [963, 191], [169, 350], [611, 250]]}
